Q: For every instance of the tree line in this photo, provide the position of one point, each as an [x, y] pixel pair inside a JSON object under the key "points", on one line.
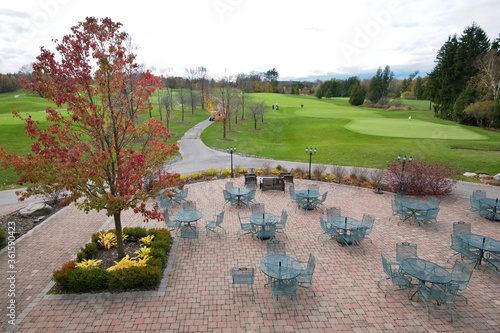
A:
{"points": [[465, 82], [463, 86], [381, 86]]}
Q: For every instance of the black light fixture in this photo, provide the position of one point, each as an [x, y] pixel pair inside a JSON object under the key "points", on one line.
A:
{"points": [[310, 152], [231, 150], [403, 161]]}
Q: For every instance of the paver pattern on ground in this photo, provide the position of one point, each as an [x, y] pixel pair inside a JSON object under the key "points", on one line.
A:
{"points": [[198, 296]]}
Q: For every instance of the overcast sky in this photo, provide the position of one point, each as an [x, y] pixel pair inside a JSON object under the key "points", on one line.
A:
{"points": [[298, 38]]}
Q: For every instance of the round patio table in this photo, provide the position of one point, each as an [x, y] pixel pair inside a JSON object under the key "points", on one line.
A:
{"points": [[412, 207], [494, 206], [238, 192], [261, 220], [188, 216], [344, 224], [309, 195], [280, 266], [481, 243]]}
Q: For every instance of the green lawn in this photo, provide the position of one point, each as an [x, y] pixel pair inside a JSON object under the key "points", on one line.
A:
{"points": [[14, 139], [356, 136]]}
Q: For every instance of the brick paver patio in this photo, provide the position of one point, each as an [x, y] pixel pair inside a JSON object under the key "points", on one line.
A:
{"points": [[198, 295]]}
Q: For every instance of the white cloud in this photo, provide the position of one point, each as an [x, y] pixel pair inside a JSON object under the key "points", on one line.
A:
{"points": [[298, 38]]}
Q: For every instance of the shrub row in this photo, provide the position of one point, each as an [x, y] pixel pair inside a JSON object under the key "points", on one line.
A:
{"points": [[78, 280]]}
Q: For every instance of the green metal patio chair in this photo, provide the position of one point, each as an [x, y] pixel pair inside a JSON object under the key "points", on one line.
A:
{"points": [[171, 224], [284, 288], [328, 230], [433, 202], [441, 293], [229, 198], [181, 196], [276, 247], [394, 274], [368, 221], [189, 205], [214, 224], [474, 201], [493, 259], [354, 237], [460, 275], [245, 228], [242, 276], [405, 250], [333, 212], [319, 201], [305, 277], [427, 217], [463, 249], [397, 209], [280, 226]]}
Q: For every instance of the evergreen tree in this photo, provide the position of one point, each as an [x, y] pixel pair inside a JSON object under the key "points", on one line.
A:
{"points": [[357, 95], [453, 70], [379, 84]]}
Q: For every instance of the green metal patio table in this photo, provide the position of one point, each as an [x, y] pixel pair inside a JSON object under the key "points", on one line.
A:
{"points": [[261, 220], [308, 195], [482, 243], [494, 208], [280, 266], [425, 271], [239, 192]]}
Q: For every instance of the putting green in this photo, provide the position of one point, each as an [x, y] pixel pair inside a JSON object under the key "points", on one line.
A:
{"points": [[412, 128]]}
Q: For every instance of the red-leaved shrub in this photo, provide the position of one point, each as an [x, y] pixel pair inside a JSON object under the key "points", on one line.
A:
{"points": [[419, 178]]}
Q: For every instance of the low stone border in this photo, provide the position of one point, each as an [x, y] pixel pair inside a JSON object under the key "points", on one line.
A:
{"points": [[162, 289]]}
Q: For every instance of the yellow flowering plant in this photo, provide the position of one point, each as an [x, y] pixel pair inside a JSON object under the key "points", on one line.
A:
{"points": [[90, 263]]}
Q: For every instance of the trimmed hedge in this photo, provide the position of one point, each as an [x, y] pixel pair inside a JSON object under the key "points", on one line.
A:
{"points": [[78, 280]]}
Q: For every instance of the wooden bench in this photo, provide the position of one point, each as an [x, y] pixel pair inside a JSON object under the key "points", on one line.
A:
{"points": [[272, 183]]}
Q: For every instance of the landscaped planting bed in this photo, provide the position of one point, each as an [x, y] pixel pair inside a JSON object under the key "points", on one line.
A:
{"points": [[97, 267]]}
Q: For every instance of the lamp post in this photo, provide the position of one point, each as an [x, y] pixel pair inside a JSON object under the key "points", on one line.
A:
{"points": [[310, 152], [231, 150], [403, 161]]}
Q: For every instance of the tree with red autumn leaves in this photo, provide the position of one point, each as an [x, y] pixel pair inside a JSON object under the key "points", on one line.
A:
{"points": [[99, 152]]}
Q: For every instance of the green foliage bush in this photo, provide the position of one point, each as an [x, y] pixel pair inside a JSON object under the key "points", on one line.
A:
{"points": [[158, 253], [3, 236], [85, 280], [61, 275], [76, 280], [134, 278], [89, 251], [155, 262], [134, 234]]}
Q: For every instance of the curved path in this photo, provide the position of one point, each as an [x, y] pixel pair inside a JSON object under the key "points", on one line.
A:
{"points": [[198, 157]]}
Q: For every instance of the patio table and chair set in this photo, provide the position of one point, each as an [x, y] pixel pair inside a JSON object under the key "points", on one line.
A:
{"points": [[428, 280], [410, 273], [284, 274], [185, 220], [423, 212], [435, 282]]}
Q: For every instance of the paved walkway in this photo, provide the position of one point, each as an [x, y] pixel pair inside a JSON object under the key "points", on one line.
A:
{"points": [[198, 295]]}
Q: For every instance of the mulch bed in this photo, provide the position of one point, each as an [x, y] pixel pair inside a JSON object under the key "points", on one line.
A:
{"points": [[25, 224], [109, 257]]}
